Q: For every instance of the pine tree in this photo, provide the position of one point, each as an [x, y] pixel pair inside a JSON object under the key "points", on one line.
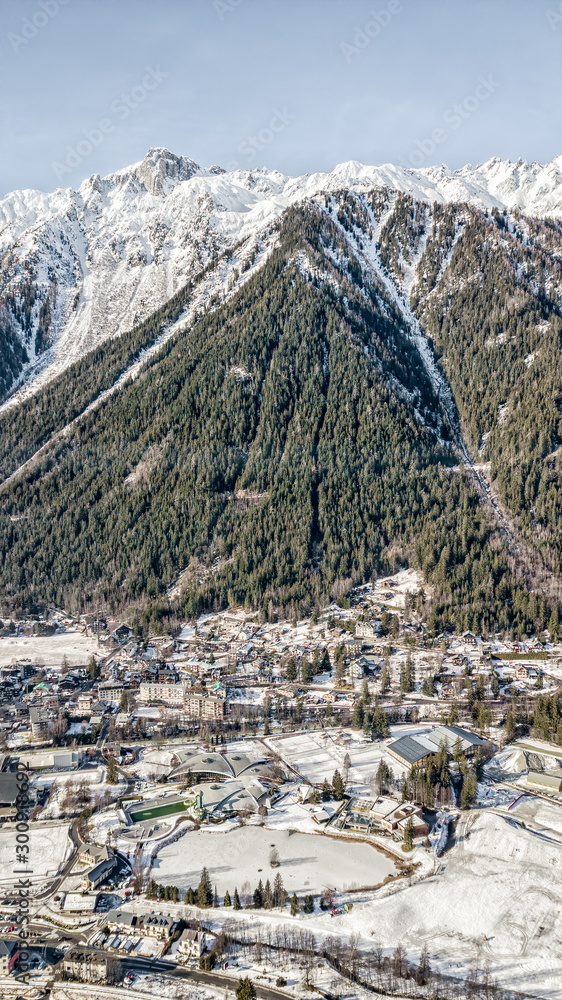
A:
{"points": [[291, 670], [294, 905], [469, 790], [236, 904], [457, 750], [357, 715], [190, 897], [380, 722], [409, 830], [245, 989], [326, 791], [205, 890], [308, 904], [553, 626], [338, 786], [385, 679], [258, 895], [267, 896], [227, 899], [407, 675], [443, 765], [111, 774], [215, 897], [279, 893], [453, 716]]}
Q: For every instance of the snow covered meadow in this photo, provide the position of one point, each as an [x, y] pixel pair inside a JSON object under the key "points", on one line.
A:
{"points": [[48, 849], [48, 649]]}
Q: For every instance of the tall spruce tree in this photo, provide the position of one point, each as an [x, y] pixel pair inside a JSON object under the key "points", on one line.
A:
{"points": [[205, 890], [338, 786]]}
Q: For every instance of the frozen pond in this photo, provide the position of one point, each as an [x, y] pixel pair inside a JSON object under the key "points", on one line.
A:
{"points": [[309, 863]]}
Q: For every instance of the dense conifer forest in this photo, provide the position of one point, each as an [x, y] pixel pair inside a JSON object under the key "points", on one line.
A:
{"points": [[290, 444]]}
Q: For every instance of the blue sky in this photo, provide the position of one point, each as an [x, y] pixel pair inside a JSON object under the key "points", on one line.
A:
{"points": [[321, 81]]}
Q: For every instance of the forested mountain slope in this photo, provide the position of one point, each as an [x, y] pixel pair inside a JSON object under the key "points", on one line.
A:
{"points": [[487, 289], [292, 430], [278, 449], [495, 318]]}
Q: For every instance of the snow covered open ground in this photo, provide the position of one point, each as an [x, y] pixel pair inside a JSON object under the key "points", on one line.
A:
{"points": [[49, 649], [48, 849], [501, 882], [308, 863], [540, 815], [316, 755]]}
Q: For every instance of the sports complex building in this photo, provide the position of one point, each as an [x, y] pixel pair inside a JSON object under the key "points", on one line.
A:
{"points": [[410, 750], [223, 784]]}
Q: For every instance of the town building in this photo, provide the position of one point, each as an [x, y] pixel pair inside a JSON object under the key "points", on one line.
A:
{"points": [[410, 750], [94, 876], [172, 693], [384, 814], [367, 630], [53, 760], [110, 692], [191, 944], [549, 780], [200, 706], [86, 964], [157, 925], [91, 854], [9, 790], [9, 951], [39, 724]]}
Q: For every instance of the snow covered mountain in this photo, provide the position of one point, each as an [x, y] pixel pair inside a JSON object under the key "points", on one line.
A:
{"points": [[81, 266]]}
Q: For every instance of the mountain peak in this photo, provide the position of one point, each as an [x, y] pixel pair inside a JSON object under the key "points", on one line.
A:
{"points": [[161, 170]]}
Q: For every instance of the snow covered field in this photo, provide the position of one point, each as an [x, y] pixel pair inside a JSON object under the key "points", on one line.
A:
{"points": [[146, 985], [48, 849], [316, 755], [540, 815], [308, 863], [407, 580], [50, 649], [92, 776], [63, 782], [498, 900]]}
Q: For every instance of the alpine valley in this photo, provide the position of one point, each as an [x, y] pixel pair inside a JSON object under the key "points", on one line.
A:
{"points": [[241, 387]]}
